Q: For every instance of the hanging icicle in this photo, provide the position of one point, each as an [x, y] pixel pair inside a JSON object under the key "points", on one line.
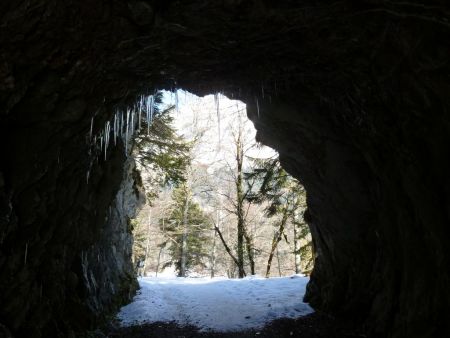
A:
{"points": [[152, 107], [127, 121], [176, 100], [92, 126], [122, 125], [26, 254], [148, 114], [217, 102], [257, 106], [107, 132], [115, 129], [133, 112], [141, 108]]}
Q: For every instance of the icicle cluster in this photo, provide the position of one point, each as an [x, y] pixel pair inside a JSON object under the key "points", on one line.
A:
{"points": [[217, 102], [123, 125]]}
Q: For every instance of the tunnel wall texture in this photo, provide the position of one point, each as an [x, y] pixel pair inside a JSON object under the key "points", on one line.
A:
{"points": [[353, 94]]}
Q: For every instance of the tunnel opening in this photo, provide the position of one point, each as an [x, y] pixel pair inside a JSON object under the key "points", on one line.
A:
{"points": [[205, 176], [195, 159], [358, 112]]}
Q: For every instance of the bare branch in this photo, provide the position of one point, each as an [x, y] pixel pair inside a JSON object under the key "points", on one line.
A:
{"points": [[227, 247]]}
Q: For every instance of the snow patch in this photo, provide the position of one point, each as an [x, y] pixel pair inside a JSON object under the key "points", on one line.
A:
{"points": [[217, 304]]}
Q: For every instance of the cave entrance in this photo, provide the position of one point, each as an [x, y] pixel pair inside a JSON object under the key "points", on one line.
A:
{"points": [[218, 207]]}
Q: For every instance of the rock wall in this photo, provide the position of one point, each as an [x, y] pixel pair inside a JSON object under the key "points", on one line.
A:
{"points": [[106, 267], [65, 246], [354, 95]]}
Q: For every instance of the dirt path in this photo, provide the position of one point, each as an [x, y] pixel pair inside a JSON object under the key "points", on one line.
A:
{"points": [[312, 326]]}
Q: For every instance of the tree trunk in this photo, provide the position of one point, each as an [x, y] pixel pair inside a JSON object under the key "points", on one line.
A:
{"points": [[184, 239], [213, 251], [159, 261], [276, 239], [249, 245], [160, 251], [147, 245], [227, 248], [240, 207], [278, 261], [297, 258]]}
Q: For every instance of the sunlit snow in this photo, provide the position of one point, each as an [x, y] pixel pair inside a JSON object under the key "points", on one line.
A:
{"points": [[217, 304]]}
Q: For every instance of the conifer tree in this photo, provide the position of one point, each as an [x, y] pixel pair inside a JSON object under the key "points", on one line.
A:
{"points": [[187, 230], [269, 183]]}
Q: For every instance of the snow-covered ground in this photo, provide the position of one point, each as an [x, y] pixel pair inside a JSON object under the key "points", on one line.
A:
{"points": [[217, 304]]}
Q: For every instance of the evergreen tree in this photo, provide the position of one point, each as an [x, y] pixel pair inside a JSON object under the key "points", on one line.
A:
{"points": [[286, 199], [164, 157], [160, 151], [187, 230]]}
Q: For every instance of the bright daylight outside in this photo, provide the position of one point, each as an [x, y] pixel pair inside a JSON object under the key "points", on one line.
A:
{"points": [[220, 243]]}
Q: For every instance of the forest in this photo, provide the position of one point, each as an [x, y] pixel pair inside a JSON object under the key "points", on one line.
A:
{"points": [[218, 203]]}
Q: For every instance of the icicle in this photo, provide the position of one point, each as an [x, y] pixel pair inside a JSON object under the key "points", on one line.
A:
{"points": [[127, 127], [176, 100], [118, 126], [140, 113], [107, 132], [141, 102], [115, 128], [121, 125], [101, 142], [262, 90], [217, 102], [92, 126], [147, 111], [133, 112], [87, 176], [126, 131], [140, 109], [152, 107], [26, 254], [257, 106]]}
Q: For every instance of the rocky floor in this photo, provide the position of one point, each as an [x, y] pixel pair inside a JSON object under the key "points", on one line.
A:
{"points": [[312, 326]]}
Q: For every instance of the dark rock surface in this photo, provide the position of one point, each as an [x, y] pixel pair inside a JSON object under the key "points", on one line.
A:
{"points": [[353, 94]]}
